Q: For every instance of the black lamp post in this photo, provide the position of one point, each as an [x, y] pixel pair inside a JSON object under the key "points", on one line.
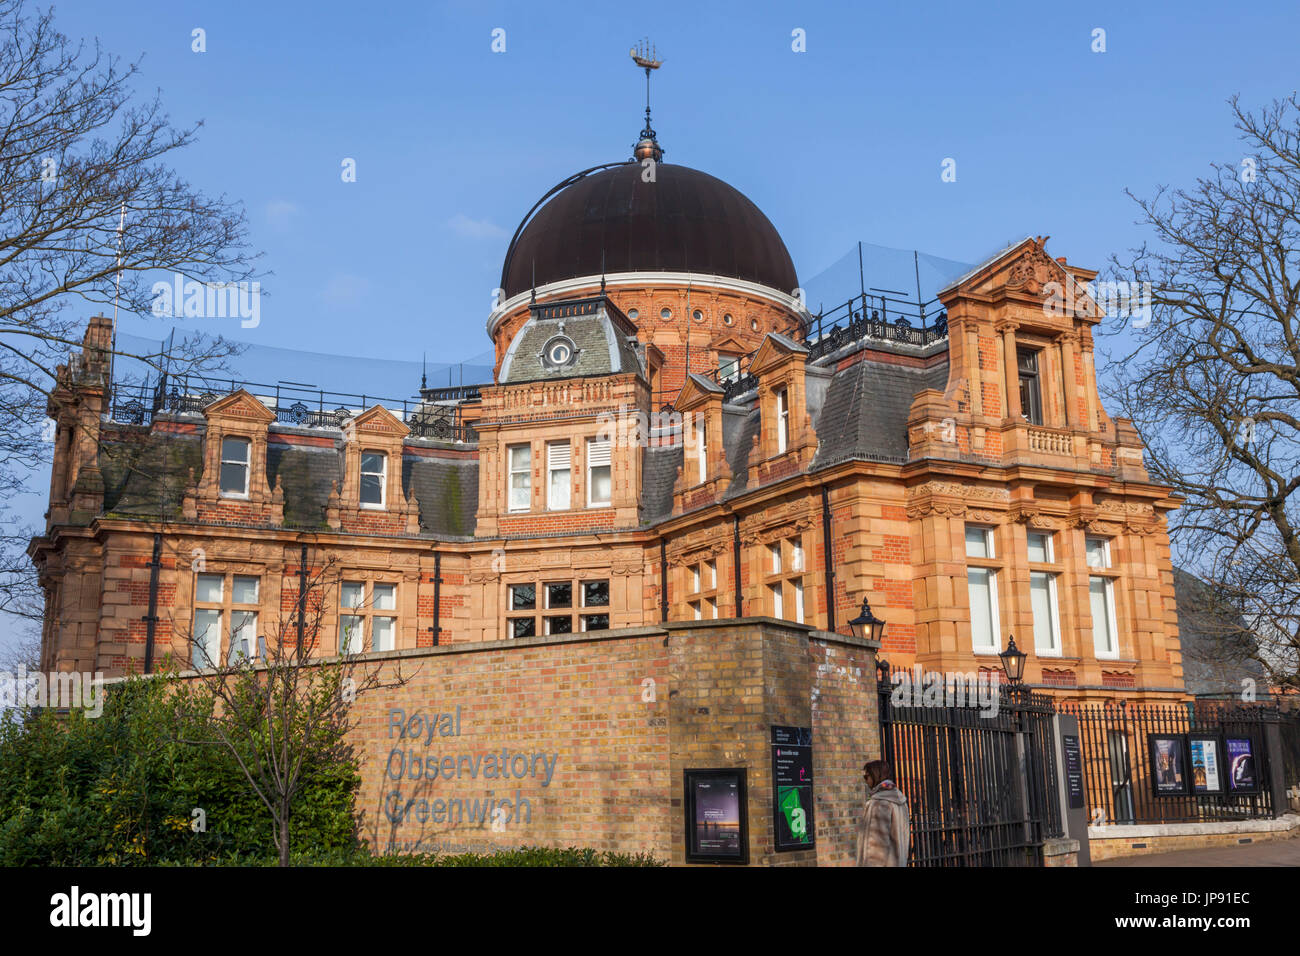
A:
{"points": [[1013, 662], [867, 625]]}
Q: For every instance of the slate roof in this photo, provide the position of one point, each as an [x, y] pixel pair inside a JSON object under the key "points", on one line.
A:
{"points": [[447, 491], [864, 413], [859, 412], [306, 473], [144, 476], [1217, 655], [602, 349]]}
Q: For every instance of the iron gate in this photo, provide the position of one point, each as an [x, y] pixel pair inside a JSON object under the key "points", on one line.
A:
{"points": [[981, 787]]}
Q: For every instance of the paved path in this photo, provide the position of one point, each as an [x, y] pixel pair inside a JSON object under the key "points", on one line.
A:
{"points": [[1267, 853]]}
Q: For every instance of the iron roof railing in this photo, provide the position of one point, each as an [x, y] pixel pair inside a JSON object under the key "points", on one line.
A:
{"points": [[291, 404]]}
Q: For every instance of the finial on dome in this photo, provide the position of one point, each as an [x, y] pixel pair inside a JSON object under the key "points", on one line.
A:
{"points": [[646, 56]]}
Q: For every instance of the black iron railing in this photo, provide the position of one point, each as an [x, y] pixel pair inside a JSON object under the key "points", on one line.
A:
{"points": [[1120, 778], [290, 403], [982, 788], [879, 317], [874, 317]]}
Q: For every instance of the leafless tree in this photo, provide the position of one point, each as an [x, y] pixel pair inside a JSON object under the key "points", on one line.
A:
{"points": [[91, 214], [281, 700], [1212, 379]]}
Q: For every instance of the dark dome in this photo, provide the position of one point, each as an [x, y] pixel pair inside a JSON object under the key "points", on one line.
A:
{"points": [[686, 221]]}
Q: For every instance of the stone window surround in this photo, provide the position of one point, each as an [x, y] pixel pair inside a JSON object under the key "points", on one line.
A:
{"points": [[701, 592], [539, 613], [538, 468], [366, 610], [790, 577], [226, 605], [1114, 590], [1055, 569], [997, 566]]}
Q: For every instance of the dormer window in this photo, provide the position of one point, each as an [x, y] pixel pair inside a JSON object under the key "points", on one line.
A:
{"points": [[782, 421], [234, 467], [1031, 395], [374, 470]]}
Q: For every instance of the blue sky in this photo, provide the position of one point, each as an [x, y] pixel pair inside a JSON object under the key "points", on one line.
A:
{"points": [[844, 142]]}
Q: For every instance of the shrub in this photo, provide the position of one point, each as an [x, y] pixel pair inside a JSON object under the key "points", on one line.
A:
{"points": [[122, 788]]}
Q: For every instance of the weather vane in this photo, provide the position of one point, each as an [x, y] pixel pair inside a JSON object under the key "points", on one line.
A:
{"points": [[646, 56]]}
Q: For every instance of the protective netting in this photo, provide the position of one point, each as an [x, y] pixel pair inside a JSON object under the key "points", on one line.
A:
{"points": [[885, 270]]}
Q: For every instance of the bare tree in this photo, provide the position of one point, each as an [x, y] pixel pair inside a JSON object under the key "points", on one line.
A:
{"points": [[1212, 381], [282, 701], [90, 214]]}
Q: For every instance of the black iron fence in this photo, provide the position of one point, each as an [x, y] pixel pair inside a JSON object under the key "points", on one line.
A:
{"points": [[1289, 725], [981, 781], [1121, 780], [292, 404]]}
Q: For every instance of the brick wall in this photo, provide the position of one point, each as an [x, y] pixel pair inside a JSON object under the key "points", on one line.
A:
{"points": [[615, 718]]}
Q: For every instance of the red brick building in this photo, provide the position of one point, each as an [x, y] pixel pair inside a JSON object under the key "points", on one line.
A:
{"points": [[669, 437]]}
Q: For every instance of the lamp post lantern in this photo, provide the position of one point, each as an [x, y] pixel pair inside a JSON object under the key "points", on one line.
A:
{"points": [[1013, 662], [867, 625]]}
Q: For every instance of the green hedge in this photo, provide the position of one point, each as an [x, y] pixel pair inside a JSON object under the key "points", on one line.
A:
{"points": [[121, 789]]}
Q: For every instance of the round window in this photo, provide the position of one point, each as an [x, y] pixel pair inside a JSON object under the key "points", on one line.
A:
{"points": [[559, 352], [632, 313], [727, 319], [753, 324], [697, 315], [665, 313]]}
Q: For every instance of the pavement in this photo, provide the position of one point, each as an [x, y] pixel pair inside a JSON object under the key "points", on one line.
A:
{"points": [[1267, 853]]}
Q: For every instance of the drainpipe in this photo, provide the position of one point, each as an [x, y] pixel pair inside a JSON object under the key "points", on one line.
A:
{"points": [[735, 561], [829, 560], [151, 619], [302, 596], [663, 580], [437, 595]]}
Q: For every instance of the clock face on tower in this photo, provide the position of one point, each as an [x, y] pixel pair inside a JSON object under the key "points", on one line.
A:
{"points": [[559, 353]]}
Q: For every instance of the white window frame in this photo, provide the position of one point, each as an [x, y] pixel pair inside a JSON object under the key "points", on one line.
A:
{"points": [[602, 449], [782, 420], [1049, 546], [1106, 556], [702, 450], [246, 464], [555, 463], [512, 470], [1054, 612], [383, 479], [995, 612], [988, 542], [1108, 595], [366, 613]]}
